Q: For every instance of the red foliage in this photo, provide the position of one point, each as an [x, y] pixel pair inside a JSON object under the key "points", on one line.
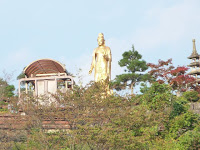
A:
{"points": [[161, 70], [179, 82], [165, 72], [179, 70]]}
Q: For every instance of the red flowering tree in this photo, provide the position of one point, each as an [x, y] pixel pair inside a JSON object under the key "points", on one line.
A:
{"points": [[160, 71], [180, 80], [165, 72]]}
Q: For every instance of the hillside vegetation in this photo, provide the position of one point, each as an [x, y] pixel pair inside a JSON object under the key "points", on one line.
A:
{"points": [[155, 119]]}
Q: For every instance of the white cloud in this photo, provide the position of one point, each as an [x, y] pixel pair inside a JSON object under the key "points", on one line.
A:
{"points": [[168, 25]]}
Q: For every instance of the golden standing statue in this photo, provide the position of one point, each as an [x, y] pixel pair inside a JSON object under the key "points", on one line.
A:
{"points": [[101, 61]]}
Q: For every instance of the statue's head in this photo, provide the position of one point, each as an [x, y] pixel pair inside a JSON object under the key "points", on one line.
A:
{"points": [[100, 39]]}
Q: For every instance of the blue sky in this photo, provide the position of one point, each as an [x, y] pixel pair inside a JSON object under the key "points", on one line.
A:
{"points": [[67, 31]]}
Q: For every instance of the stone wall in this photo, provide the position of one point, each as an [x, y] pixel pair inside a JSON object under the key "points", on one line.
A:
{"points": [[16, 121], [195, 107]]}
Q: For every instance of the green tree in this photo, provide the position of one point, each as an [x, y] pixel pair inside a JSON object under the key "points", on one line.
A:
{"points": [[134, 72], [157, 97], [191, 96], [6, 90]]}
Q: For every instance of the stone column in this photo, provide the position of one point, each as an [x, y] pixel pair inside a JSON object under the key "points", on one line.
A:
{"points": [[26, 84], [66, 86], [56, 84], [36, 88], [72, 83]]}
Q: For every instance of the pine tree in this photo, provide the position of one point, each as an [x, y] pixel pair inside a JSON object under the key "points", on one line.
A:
{"points": [[134, 72]]}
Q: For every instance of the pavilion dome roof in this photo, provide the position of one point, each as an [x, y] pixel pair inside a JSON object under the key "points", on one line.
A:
{"points": [[44, 66]]}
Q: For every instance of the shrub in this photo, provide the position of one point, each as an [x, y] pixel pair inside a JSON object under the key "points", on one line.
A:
{"points": [[191, 96], [182, 123], [158, 96], [179, 106], [190, 140]]}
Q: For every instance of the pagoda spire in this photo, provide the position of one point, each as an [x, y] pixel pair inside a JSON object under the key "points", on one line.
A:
{"points": [[194, 52]]}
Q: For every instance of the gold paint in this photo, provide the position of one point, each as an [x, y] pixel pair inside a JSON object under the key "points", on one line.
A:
{"points": [[101, 62]]}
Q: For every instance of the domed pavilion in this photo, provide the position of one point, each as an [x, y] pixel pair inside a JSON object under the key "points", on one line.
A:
{"points": [[45, 76]]}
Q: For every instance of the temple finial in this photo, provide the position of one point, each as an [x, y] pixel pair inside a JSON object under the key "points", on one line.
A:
{"points": [[194, 47]]}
